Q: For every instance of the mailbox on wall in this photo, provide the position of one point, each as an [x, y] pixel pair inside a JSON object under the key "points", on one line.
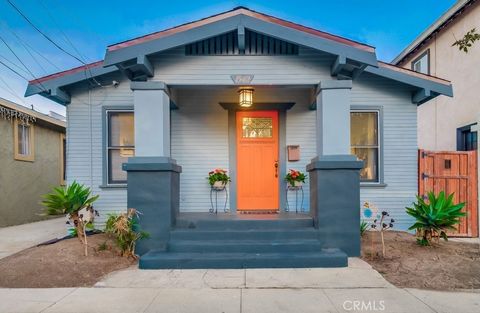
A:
{"points": [[293, 152]]}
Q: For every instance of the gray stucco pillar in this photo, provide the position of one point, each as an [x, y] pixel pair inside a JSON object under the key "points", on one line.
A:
{"points": [[153, 178], [335, 173]]}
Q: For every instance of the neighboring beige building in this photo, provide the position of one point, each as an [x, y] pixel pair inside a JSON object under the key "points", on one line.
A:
{"points": [[32, 150], [445, 123]]}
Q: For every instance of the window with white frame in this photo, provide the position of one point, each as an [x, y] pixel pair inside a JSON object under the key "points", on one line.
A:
{"points": [[120, 144], [422, 63], [23, 140], [365, 143]]}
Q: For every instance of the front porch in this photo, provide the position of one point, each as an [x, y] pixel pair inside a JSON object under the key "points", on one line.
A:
{"points": [[166, 178]]}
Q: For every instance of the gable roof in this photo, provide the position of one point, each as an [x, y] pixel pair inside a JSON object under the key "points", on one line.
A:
{"points": [[456, 11], [232, 20], [131, 56]]}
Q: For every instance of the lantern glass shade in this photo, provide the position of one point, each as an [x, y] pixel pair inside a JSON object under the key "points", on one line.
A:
{"points": [[246, 97]]}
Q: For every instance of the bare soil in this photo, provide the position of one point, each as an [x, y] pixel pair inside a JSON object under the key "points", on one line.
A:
{"points": [[444, 266], [62, 264]]}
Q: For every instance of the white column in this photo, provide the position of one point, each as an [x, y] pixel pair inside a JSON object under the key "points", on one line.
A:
{"points": [[152, 119], [333, 117]]}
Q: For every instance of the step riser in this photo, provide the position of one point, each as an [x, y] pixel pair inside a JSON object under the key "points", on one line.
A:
{"points": [[244, 224], [239, 263], [243, 248], [196, 235]]}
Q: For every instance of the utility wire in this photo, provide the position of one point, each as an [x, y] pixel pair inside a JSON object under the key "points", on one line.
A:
{"points": [[43, 34], [10, 90], [13, 64], [20, 60], [11, 69], [69, 42]]}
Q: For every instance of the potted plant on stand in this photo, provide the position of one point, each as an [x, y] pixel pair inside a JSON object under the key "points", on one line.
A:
{"points": [[218, 178], [295, 178]]}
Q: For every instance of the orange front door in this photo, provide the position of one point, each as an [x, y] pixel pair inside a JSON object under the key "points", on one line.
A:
{"points": [[257, 160]]}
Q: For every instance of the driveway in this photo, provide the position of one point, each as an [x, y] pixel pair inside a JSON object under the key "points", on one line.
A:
{"points": [[17, 238]]}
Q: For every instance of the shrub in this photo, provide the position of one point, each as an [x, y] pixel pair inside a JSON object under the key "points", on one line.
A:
{"points": [[75, 201], [363, 227], [435, 217], [124, 227]]}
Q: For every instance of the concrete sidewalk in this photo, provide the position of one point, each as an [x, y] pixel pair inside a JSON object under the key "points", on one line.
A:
{"points": [[357, 288], [17, 238]]}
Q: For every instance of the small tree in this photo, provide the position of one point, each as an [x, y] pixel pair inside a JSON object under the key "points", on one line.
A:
{"points": [[75, 201], [467, 40]]}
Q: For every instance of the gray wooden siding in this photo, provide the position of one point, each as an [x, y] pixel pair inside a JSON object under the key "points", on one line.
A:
{"points": [[84, 142], [200, 126], [174, 67], [399, 145]]}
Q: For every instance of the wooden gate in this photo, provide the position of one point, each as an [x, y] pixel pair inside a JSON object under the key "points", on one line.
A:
{"points": [[452, 172]]}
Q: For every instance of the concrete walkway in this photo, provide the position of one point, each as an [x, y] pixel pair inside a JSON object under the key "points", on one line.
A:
{"points": [[357, 288], [17, 238]]}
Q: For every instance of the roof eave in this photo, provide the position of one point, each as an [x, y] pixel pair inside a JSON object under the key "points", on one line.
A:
{"points": [[430, 30], [127, 53], [426, 88], [54, 89]]}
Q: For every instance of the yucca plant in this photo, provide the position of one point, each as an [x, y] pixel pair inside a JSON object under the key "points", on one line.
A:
{"points": [[363, 227], [435, 217], [76, 202]]}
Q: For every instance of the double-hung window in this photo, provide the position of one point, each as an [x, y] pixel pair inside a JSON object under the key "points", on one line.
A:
{"points": [[120, 144], [365, 143], [23, 141]]}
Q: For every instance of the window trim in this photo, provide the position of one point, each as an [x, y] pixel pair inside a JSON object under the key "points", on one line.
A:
{"points": [[31, 143], [105, 163], [379, 110], [63, 169], [460, 131], [427, 53]]}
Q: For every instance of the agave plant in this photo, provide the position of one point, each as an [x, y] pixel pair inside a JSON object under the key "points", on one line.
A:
{"points": [[435, 217], [75, 201]]}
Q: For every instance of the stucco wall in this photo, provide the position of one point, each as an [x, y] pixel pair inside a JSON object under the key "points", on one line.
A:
{"points": [[22, 183], [439, 119]]}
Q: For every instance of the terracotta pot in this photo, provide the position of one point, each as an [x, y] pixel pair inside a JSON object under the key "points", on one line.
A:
{"points": [[219, 185]]}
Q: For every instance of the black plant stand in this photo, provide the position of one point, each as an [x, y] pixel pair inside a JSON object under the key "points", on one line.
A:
{"points": [[214, 206], [297, 190]]}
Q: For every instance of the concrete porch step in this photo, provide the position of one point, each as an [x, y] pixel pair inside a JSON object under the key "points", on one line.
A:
{"points": [[205, 221], [249, 234], [245, 246], [190, 260]]}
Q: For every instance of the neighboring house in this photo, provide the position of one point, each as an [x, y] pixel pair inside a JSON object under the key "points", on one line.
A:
{"points": [[445, 123], [448, 124], [32, 160], [173, 105]]}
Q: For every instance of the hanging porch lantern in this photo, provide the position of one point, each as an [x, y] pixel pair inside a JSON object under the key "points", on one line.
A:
{"points": [[246, 97]]}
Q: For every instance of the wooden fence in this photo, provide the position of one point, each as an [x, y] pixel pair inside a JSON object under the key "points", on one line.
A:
{"points": [[452, 172]]}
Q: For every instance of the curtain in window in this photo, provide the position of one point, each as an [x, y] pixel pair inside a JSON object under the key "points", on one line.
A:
{"points": [[121, 144], [23, 139], [364, 143]]}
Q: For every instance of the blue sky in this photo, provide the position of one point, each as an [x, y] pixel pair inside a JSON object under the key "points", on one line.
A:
{"points": [[86, 27]]}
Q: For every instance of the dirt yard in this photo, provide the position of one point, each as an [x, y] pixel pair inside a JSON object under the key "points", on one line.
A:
{"points": [[445, 266], [62, 264]]}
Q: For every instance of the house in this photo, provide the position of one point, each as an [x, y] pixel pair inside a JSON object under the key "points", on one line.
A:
{"points": [[32, 161], [447, 123], [150, 121]]}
